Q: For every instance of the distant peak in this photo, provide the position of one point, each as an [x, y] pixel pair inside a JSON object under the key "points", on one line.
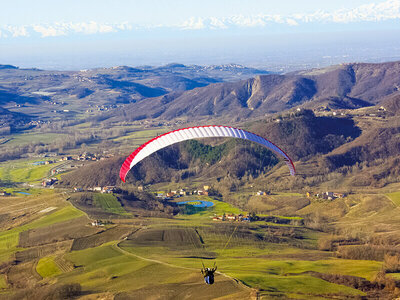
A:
{"points": [[175, 65], [5, 67]]}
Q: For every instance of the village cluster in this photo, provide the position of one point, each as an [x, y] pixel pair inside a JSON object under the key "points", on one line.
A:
{"points": [[102, 189], [80, 157], [326, 195], [181, 192], [232, 218]]}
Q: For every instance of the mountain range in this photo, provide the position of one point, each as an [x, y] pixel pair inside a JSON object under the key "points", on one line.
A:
{"points": [[346, 86]]}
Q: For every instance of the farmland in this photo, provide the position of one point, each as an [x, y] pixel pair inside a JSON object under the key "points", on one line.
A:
{"points": [[109, 203], [24, 171], [274, 260], [289, 252]]}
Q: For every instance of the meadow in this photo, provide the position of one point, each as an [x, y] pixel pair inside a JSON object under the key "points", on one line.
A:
{"points": [[24, 170], [109, 203]]}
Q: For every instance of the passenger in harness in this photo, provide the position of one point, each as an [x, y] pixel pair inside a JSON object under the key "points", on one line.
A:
{"points": [[208, 274]]}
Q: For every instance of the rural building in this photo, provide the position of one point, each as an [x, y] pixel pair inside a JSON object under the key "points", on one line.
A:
{"points": [[183, 192], [49, 182], [107, 189], [202, 193], [78, 189], [231, 217], [339, 195], [140, 188], [4, 193], [97, 223]]}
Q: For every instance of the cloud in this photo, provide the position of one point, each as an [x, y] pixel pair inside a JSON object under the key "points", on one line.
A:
{"points": [[291, 22], [388, 10], [373, 12], [17, 31], [90, 27], [193, 24], [63, 29], [49, 31]]}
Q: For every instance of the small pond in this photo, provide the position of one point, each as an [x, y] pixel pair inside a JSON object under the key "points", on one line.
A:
{"points": [[23, 193], [197, 203]]}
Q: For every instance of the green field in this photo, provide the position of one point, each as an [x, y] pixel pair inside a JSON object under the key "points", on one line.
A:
{"points": [[104, 262], [109, 203], [24, 171], [142, 134], [46, 267], [33, 137], [3, 283], [395, 197], [281, 276]]}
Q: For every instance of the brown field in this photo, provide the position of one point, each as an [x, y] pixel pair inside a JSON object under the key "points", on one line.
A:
{"points": [[42, 251], [171, 236], [23, 275], [62, 231], [63, 264], [112, 234], [21, 210]]}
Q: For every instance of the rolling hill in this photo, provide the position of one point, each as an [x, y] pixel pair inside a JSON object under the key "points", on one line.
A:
{"points": [[347, 86], [47, 94]]}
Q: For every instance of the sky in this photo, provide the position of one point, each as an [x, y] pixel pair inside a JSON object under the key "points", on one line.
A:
{"points": [[74, 34]]}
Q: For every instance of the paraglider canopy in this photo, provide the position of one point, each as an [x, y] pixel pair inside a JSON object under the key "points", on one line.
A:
{"points": [[184, 134]]}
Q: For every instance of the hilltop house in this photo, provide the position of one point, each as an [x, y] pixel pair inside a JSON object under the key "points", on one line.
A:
{"points": [[49, 182]]}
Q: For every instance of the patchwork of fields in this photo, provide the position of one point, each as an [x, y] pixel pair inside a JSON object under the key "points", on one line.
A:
{"points": [[163, 257]]}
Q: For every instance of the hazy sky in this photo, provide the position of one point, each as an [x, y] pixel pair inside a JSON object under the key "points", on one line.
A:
{"points": [[166, 12], [78, 33]]}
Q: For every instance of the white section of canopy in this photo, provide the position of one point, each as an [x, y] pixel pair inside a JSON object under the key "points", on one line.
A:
{"points": [[204, 132]]}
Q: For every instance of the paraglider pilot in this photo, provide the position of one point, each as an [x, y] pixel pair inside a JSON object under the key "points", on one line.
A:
{"points": [[208, 274]]}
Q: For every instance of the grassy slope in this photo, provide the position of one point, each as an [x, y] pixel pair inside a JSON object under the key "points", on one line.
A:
{"points": [[142, 135], [24, 171], [244, 259], [109, 203], [104, 262], [33, 137], [103, 268], [9, 239], [395, 197], [46, 267], [3, 283]]}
